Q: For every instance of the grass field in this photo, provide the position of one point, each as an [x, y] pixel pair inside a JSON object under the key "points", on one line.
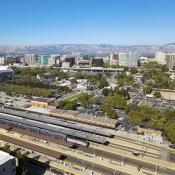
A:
{"points": [[73, 97]]}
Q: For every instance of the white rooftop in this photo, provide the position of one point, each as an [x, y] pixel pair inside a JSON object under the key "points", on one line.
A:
{"points": [[4, 157], [4, 68]]}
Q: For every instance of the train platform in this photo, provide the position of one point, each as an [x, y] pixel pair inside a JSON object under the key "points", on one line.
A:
{"points": [[89, 158]]}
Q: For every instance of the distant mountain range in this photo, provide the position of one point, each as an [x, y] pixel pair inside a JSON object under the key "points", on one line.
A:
{"points": [[85, 48]]}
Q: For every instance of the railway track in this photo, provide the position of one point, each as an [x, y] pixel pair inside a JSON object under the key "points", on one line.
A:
{"points": [[50, 129], [112, 156], [59, 122], [58, 155]]}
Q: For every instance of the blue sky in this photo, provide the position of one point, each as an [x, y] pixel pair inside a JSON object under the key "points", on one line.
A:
{"points": [[121, 22]]}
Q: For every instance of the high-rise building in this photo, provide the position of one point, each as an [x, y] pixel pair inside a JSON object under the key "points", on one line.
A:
{"points": [[51, 61], [2, 60], [128, 59], [113, 59], [29, 59], [70, 60], [170, 60], [7, 164], [160, 57], [43, 59], [97, 62]]}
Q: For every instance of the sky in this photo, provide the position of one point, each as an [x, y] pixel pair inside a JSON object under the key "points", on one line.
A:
{"points": [[119, 22]]}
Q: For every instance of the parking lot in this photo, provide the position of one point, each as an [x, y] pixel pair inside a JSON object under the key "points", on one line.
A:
{"points": [[13, 101]]}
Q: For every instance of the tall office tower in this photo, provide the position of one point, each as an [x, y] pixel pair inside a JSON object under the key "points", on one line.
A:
{"points": [[114, 59], [77, 57], [106, 59], [128, 59], [70, 60], [43, 59], [51, 61], [7, 164], [29, 59], [160, 57], [170, 60], [97, 62]]}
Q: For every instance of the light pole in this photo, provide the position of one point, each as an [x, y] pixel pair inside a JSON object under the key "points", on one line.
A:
{"points": [[157, 169], [122, 161]]}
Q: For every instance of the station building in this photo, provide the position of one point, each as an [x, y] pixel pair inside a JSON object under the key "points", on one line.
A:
{"points": [[43, 103]]}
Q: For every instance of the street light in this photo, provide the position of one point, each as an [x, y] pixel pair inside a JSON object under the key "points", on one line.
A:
{"points": [[122, 161]]}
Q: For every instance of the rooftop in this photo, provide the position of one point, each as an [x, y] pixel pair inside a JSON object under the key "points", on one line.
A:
{"points": [[44, 100], [4, 157], [5, 68]]}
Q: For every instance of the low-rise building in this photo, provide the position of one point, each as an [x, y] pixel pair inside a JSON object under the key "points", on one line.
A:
{"points": [[6, 73], [43, 103], [7, 164]]}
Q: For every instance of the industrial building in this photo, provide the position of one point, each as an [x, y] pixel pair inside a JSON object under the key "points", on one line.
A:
{"points": [[7, 164]]}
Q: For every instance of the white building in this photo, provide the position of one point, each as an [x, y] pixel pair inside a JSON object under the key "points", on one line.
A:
{"points": [[170, 60], [114, 59], [143, 60], [160, 57], [29, 59], [2, 60], [7, 164], [66, 65], [82, 84], [64, 83], [128, 59], [51, 61], [6, 73]]}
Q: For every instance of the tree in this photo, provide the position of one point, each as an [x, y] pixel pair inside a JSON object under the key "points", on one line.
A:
{"points": [[169, 131], [123, 93], [67, 105], [169, 114], [139, 115], [148, 90], [6, 148], [106, 91], [112, 102], [157, 94], [133, 70], [103, 82], [136, 85], [84, 100]]}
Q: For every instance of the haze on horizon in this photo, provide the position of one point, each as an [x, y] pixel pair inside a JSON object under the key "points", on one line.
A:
{"points": [[118, 22]]}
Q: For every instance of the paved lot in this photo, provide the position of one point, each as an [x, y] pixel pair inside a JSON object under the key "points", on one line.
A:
{"points": [[15, 101]]}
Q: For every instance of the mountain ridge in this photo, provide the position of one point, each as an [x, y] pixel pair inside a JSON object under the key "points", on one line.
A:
{"points": [[84, 48]]}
